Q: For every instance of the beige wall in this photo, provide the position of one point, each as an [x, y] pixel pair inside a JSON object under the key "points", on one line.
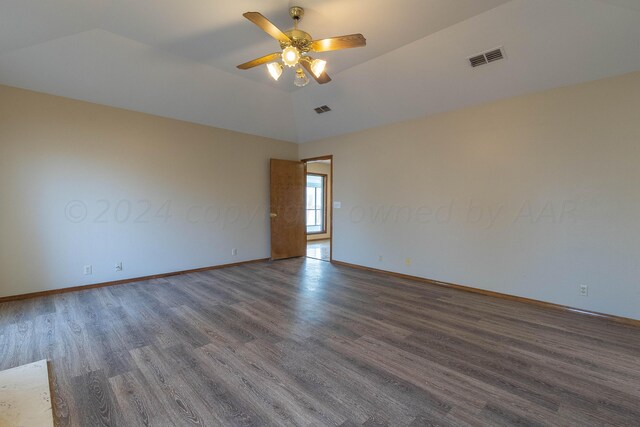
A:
{"points": [[86, 184], [323, 168], [531, 196]]}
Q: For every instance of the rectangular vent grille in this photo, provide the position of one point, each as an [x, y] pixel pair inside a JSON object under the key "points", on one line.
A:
{"points": [[322, 109], [494, 55], [477, 61], [487, 57]]}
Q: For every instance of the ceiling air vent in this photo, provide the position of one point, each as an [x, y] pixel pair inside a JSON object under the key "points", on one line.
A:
{"points": [[322, 109], [487, 57]]}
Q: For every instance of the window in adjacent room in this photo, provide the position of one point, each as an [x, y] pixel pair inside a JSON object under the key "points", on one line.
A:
{"points": [[316, 213]]}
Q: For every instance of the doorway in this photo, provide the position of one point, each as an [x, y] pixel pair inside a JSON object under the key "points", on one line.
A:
{"points": [[318, 207]]}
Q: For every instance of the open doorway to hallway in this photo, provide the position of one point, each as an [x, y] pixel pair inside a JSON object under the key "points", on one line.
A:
{"points": [[319, 202], [319, 249]]}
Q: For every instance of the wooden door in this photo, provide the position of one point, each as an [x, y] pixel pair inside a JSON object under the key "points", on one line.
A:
{"points": [[288, 221]]}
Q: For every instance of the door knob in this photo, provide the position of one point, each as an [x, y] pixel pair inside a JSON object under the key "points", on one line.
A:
{"points": [[273, 215]]}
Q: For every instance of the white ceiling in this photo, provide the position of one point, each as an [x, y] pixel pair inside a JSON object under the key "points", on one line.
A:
{"points": [[177, 58]]}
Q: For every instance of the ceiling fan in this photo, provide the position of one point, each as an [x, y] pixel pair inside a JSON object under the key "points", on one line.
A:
{"points": [[296, 46]]}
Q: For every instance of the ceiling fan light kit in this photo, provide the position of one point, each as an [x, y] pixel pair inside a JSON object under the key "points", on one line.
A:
{"points": [[301, 78], [296, 45], [317, 66], [290, 56], [275, 69]]}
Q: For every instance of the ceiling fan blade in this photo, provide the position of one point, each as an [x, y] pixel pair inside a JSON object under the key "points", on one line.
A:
{"points": [[259, 61], [324, 78], [337, 43], [266, 26]]}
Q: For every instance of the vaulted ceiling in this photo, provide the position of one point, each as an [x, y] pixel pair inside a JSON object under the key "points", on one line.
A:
{"points": [[177, 58]]}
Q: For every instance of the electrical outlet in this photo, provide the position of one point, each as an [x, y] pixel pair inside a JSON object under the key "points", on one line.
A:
{"points": [[88, 270], [379, 258], [407, 261], [234, 251], [584, 290], [119, 266]]}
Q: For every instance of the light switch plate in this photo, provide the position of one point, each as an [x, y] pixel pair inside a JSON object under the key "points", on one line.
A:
{"points": [[337, 205]]}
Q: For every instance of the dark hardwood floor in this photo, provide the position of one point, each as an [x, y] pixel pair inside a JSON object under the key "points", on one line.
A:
{"points": [[304, 342]]}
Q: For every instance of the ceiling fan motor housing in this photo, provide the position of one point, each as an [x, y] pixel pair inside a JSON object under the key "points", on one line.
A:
{"points": [[298, 39]]}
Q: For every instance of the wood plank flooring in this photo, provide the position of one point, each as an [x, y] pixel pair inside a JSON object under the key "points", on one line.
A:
{"points": [[305, 342]]}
